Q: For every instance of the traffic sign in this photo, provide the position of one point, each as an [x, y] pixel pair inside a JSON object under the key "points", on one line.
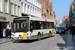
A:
{"points": [[73, 11]]}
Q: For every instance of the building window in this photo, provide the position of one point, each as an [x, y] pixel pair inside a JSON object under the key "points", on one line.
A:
{"points": [[18, 10], [31, 1], [25, 8], [11, 6], [25, 0], [50, 14], [28, 9], [0, 5], [5, 6], [33, 11], [47, 11], [22, 7], [15, 9]]}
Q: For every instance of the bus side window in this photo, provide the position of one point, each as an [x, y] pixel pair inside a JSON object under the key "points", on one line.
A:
{"points": [[31, 28]]}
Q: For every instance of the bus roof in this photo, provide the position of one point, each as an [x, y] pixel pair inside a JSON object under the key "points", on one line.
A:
{"points": [[38, 19], [41, 19]]}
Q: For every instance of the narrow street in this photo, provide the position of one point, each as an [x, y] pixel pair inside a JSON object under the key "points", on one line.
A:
{"points": [[54, 43], [35, 19]]}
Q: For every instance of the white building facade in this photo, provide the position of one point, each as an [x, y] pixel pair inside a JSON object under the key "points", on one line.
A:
{"points": [[9, 9], [61, 21], [31, 8]]}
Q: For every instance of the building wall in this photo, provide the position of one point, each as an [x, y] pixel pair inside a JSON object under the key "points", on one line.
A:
{"points": [[46, 3], [48, 9], [57, 23], [61, 21], [51, 10], [70, 12], [45, 9], [6, 9], [18, 8], [7, 13], [65, 20], [31, 7], [54, 18], [44, 12]]}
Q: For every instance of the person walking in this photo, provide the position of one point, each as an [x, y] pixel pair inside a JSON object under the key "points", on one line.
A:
{"points": [[73, 32], [6, 32], [9, 33]]}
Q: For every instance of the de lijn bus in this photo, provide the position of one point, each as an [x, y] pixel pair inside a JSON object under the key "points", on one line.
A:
{"points": [[30, 28]]}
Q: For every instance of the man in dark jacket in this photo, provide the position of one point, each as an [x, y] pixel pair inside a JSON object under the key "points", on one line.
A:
{"points": [[6, 32], [73, 32], [9, 33]]}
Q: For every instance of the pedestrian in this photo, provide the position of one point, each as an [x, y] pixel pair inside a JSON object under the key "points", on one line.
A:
{"points": [[9, 33], [6, 32], [73, 32], [71, 29]]}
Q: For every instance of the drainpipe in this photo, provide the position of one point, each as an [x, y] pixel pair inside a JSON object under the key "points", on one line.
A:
{"points": [[74, 4]]}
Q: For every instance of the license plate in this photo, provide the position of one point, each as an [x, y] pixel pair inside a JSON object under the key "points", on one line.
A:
{"points": [[20, 37]]}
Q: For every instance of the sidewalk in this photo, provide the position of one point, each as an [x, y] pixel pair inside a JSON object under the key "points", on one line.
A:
{"points": [[74, 43], [4, 40], [70, 43]]}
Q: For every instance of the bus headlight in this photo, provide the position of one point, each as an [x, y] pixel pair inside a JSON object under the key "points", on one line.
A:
{"points": [[13, 34], [27, 33]]}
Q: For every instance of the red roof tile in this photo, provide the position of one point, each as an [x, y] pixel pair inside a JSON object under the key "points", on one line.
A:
{"points": [[64, 17]]}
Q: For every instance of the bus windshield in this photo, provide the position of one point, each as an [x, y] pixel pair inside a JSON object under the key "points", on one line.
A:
{"points": [[20, 26]]}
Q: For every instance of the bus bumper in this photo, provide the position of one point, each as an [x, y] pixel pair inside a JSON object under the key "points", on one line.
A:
{"points": [[27, 38]]}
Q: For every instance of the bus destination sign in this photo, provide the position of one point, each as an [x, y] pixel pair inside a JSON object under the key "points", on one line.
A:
{"points": [[20, 19]]}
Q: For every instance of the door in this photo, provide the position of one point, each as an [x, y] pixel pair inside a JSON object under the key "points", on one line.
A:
{"points": [[3, 25], [1, 29]]}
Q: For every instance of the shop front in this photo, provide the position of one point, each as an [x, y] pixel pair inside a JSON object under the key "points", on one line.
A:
{"points": [[3, 25]]}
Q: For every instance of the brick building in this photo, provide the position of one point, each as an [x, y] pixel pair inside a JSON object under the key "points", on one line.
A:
{"points": [[70, 12], [51, 11], [66, 20], [57, 23], [54, 15], [47, 9]]}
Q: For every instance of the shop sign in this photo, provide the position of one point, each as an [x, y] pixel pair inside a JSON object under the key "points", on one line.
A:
{"points": [[2, 18]]}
